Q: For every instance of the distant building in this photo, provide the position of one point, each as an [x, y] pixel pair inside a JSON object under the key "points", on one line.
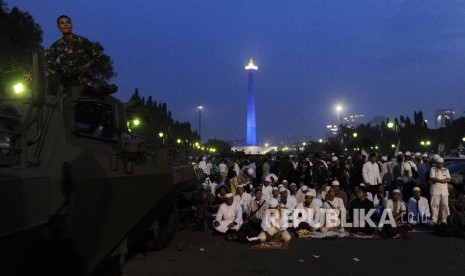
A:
{"points": [[352, 121], [444, 117], [331, 131]]}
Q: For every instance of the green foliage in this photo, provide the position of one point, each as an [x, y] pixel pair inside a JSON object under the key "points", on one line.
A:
{"points": [[19, 35], [156, 119], [409, 134], [103, 69]]}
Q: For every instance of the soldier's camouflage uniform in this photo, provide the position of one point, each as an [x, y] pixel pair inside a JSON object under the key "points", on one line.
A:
{"points": [[66, 59]]}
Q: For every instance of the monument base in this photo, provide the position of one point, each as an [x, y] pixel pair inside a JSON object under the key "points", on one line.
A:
{"points": [[254, 149]]}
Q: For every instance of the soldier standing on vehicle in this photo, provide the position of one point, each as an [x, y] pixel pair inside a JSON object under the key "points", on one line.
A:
{"points": [[70, 59]]}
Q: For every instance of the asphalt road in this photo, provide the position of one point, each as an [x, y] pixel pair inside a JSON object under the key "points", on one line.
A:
{"points": [[204, 254]]}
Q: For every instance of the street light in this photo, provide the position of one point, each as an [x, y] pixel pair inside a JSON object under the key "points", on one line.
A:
{"points": [[200, 120], [390, 125], [338, 110], [355, 134], [161, 135]]}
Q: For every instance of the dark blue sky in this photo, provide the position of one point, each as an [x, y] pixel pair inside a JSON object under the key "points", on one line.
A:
{"points": [[385, 58]]}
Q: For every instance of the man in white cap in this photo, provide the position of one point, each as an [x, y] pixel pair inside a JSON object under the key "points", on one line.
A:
{"points": [[301, 193], [339, 172], [309, 212], [423, 169], [333, 204], [229, 216], [340, 193], [267, 189], [242, 197], [275, 193], [410, 174], [371, 173], [397, 207], [273, 225], [286, 201], [439, 176], [418, 208]]}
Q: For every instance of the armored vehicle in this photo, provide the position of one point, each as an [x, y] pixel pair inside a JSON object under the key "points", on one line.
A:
{"points": [[76, 187]]}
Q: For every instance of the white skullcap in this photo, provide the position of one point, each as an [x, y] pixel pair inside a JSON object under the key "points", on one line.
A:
{"points": [[436, 157], [417, 154], [396, 191], [204, 158], [280, 185], [240, 186], [282, 189], [408, 153], [275, 189], [273, 203], [383, 158], [440, 160], [334, 158], [250, 171], [362, 185], [268, 179], [416, 189], [304, 188], [399, 153], [285, 181], [293, 184], [335, 183], [229, 195], [425, 155], [311, 192]]}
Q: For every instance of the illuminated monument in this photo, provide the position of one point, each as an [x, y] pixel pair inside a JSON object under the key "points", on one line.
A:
{"points": [[251, 125], [251, 143]]}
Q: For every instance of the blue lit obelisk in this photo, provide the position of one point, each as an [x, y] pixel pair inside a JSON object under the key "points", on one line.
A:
{"points": [[251, 125]]}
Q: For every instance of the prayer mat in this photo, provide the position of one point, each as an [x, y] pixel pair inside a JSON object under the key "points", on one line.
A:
{"points": [[271, 245], [374, 236], [304, 234]]}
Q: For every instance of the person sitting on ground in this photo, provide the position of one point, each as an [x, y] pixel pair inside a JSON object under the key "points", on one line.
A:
{"points": [[272, 225], [229, 216], [293, 188], [340, 193], [381, 198], [418, 208], [333, 204], [310, 213], [267, 188], [301, 193], [254, 214], [220, 198], [369, 194], [286, 201], [361, 203], [315, 200], [242, 197], [397, 207], [321, 193]]}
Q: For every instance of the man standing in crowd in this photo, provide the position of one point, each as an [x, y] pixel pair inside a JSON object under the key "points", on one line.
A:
{"points": [[439, 176], [371, 173]]}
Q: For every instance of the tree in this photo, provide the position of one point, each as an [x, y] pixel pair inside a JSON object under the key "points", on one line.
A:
{"points": [[19, 35], [103, 69]]}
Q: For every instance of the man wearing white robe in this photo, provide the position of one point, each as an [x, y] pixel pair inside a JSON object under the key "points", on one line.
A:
{"points": [[418, 208], [310, 213], [229, 216], [273, 225], [242, 197]]}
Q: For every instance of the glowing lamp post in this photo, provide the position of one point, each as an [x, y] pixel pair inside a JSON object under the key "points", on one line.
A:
{"points": [[200, 120]]}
